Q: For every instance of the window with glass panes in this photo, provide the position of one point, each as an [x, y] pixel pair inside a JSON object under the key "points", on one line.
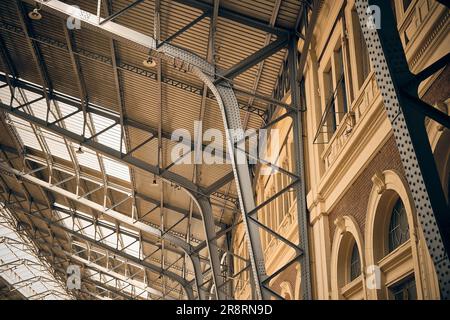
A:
{"points": [[398, 226], [355, 263], [404, 290]]}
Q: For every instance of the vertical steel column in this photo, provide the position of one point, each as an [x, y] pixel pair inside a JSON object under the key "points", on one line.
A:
{"points": [[407, 113], [300, 188]]}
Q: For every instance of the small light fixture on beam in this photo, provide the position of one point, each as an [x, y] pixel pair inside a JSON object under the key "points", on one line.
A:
{"points": [[79, 151], [154, 182], [35, 14], [150, 62]]}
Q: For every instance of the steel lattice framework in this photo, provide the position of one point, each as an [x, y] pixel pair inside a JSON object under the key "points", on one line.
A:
{"points": [[212, 273]]}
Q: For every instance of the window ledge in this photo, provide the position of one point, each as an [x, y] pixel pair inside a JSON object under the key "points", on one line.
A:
{"points": [[353, 287], [396, 257]]}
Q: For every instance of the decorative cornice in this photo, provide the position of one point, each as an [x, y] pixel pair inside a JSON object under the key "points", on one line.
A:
{"points": [[429, 39]]}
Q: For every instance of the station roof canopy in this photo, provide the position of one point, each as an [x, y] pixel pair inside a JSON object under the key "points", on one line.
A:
{"points": [[116, 93]]}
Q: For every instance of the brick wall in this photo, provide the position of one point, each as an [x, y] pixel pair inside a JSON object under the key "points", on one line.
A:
{"points": [[355, 200], [289, 275]]}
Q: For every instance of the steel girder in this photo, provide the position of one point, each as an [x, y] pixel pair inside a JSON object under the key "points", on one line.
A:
{"points": [[200, 68], [230, 111], [137, 70], [115, 215], [117, 275], [253, 60], [300, 188], [187, 287], [142, 263], [237, 17], [407, 113]]}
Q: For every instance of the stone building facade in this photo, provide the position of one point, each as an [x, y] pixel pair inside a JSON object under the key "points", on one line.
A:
{"points": [[362, 219]]}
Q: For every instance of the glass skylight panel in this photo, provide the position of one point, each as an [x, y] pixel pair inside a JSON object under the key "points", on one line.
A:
{"points": [[5, 95], [38, 108], [110, 137], [74, 123], [131, 245], [25, 133], [67, 222], [23, 127], [111, 239], [24, 277], [56, 145], [88, 159], [116, 169]]}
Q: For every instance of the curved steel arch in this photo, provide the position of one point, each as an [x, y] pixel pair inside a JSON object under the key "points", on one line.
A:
{"points": [[231, 117], [183, 282]]}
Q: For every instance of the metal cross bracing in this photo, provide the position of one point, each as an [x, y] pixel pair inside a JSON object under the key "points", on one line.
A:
{"points": [[106, 60], [65, 179], [100, 183], [94, 110], [20, 264], [90, 243], [225, 96], [108, 211], [407, 114]]}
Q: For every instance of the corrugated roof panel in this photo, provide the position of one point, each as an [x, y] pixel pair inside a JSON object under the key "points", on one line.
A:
{"points": [[175, 16], [289, 10], [259, 9], [139, 18], [92, 41], [140, 98], [180, 111], [49, 26], [60, 70], [131, 55], [147, 151], [8, 13], [21, 56], [100, 84], [235, 42]]}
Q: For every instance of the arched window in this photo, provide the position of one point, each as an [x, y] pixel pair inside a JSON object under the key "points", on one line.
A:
{"points": [[355, 263], [347, 262], [398, 226]]}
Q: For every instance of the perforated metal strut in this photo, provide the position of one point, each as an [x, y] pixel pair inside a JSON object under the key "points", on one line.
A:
{"points": [[392, 75]]}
